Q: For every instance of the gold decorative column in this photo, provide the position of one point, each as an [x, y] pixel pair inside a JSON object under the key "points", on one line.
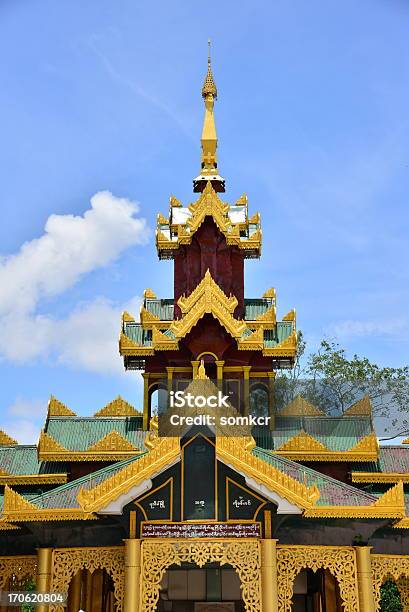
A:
{"points": [[246, 389], [74, 599], [219, 365], [132, 575], [145, 376], [44, 569], [269, 575], [364, 574], [195, 368]]}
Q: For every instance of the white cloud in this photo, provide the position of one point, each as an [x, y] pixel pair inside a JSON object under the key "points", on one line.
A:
{"points": [[24, 419], [22, 407], [70, 247], [359, 328]]}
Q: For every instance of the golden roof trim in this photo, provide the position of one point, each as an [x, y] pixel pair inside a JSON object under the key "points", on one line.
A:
{"points": [[290, 316], [127, 318], [253, 342], [16, 508], [162, 342], [148, 293], [128, 347], [287, 348], [6, 440], [406, 441], [380, 477], [57, 408], [236, 452], [118, 407], [36, 479], [150, 464]]}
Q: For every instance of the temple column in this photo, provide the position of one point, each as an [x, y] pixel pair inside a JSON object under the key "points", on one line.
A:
{"points": [[195, 368], [44, 571], [219, 365], [364, 574], [145, 377], [269, 593], [132, 575], [246, 389]]}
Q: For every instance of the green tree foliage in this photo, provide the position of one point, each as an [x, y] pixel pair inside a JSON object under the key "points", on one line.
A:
{"points": [[390, 598], [332, 381]]}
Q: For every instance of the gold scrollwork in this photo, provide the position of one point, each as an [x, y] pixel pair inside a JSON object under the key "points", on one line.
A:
{"points": [[67, 562], [244, 557], [18, 567], [339, 561], [393, 567]]}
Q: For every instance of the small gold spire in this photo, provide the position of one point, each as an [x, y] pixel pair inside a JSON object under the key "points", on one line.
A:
{"points": [[209, 86], [209, 170]]}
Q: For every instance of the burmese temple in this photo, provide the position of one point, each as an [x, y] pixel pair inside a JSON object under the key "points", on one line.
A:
{"points": [[206, 497]]}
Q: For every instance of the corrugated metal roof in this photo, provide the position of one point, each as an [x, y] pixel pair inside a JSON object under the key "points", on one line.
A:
{"points": [[392, 459], [79, 433], [283, 330], [163, 309], [256, 307], [136, 333], [333, 492]]}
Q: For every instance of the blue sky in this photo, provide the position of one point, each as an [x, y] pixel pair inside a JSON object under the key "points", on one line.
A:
{"points": [[104, 96]]}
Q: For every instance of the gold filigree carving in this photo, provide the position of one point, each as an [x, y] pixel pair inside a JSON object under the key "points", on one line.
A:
{"points": [[162, 220], [301, 407], [237, 453], [148, 293], [244, 557], [14, 502], [387, 567], [153, 462], [210, 205], [252, 342], [128, 347], [67, 562], [208, 298], [365, 450], [19, 568], [340, 561], [6, 440], [118, 408], [113, 441], [162, 342], [57, 408]]}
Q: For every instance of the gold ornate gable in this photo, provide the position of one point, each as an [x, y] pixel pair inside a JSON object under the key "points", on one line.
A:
{"points": [[208, 205], [6, 440], [58, 409], [112, 447], [118, 408], [300, 407], [362, 407]]}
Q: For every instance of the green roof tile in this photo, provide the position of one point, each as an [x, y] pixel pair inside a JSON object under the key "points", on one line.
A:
{"points": [[65, 496], [21, 459], [163, 309], [338, 434], [255, 307], [333, 492], [79, 433]]}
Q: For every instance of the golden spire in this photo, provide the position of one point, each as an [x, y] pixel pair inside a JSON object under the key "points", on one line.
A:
{"points": [[209, 171]]}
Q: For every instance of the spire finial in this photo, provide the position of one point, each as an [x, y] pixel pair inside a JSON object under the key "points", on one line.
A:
{"points": [[209, 86], [209, 170]]}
